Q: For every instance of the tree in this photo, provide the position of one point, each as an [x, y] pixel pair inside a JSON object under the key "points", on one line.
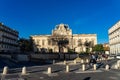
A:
{"points": [[60, 40], [25, 44], [62, 43], [98, 48], [88, 45]]}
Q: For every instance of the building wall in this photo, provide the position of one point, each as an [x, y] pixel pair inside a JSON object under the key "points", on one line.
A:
{"points": [[63, 31], [8, 39], [114, 38], [83, 38]]}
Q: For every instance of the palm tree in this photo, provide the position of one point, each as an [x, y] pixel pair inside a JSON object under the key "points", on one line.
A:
{"points": [[60, 40], [62, 43], [88, 45]]}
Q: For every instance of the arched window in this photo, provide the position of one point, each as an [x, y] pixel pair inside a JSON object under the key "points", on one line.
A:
{"points": [[43, 42], [49, 42], [80, 42]]}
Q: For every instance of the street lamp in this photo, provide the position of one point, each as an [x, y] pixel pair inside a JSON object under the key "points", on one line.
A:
{"points": [[72, 41]]}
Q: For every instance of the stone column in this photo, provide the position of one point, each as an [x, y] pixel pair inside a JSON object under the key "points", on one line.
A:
{"points": [[87, 61], [83, 67], [65, 62], [74, 61], [5, 70], [94, 67], [53, 61], [24, 71], [67, 68], [49, 70], [82, 61], [107, 67]]}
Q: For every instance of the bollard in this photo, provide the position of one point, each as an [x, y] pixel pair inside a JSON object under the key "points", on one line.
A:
{"points": [[49, 70], [94, 67], [109, 58], [53, 61], [74, 61], [103, 58], [67, 68], [5, 70], [100, 59], [83, 67], [107, 67], [82, 61], [116, 66], [24, 71], [87, 60], [118, 63], [64, 62]]}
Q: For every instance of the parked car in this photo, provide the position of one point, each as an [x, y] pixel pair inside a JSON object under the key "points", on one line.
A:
{"points": [[118, 56]]}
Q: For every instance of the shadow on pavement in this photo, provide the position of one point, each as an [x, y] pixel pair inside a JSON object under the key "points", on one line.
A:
{"points": [[87, 78]]}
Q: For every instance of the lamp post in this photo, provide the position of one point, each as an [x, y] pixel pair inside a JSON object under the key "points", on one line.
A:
{"points": [[72, 41]]}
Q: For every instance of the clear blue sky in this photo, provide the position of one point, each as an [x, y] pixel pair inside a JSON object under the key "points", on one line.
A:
{"points": [[31, 17]]}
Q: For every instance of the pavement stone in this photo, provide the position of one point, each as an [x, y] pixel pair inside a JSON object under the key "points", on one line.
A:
{"points": [[58, 73]]}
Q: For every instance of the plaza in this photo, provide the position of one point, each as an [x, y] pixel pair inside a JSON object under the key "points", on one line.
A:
{"points": [[60, 71], [60, 40]]}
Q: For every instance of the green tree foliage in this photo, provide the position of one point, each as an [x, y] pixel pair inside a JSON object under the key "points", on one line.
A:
{"points": [[98, 48]]}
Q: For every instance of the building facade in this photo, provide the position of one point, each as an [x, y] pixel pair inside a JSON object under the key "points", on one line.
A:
{"points": [[62, 40], [114, 38], [8, 39], [106, 48]]}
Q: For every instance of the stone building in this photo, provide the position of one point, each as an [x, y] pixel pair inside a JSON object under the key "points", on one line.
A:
{"points": [[8, 39], [62, 40], [106, 48], [114, 38]]}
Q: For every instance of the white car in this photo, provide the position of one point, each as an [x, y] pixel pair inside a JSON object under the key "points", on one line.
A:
{"points": [[118, 56]]}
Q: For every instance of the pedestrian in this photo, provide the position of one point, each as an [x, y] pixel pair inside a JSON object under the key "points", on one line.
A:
{"points": [[92, 60]]}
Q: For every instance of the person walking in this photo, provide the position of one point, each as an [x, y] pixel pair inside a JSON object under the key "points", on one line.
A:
{"points": [[92, 60]]}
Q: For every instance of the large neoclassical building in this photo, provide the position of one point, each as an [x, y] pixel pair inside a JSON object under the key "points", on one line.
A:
{"points": [[114, 39], [62, 40]]}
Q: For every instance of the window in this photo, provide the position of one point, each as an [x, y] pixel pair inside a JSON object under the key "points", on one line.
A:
{"points": [[37, 41], [80, 42], [43, 42], [86, 39], [49, 42], [74, 41]]}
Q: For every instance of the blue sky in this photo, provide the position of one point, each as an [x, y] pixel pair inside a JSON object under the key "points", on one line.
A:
{"points": [[31, 17]]}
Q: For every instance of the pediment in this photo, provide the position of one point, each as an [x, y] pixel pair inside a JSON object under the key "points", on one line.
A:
{"points": [[62, 29]]}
